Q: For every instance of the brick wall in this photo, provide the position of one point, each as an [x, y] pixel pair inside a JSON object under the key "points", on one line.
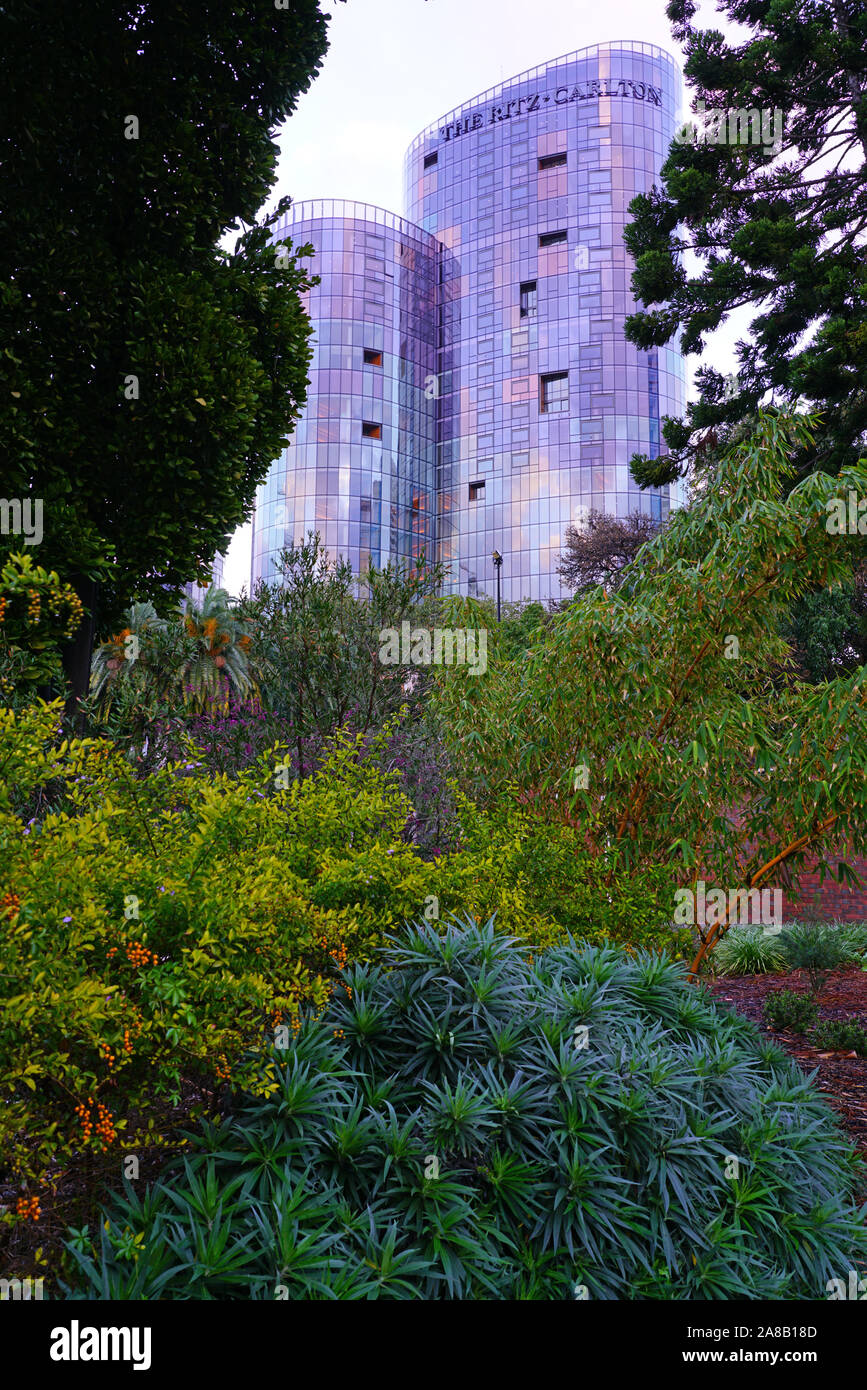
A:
{"points": [[830, 899]]}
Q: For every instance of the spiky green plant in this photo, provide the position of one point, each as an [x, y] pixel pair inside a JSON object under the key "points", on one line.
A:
{"points": [[466, 1124], [817, 948], [749, 951]]}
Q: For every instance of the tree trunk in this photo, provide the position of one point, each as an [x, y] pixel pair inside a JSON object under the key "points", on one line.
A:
{"points": [[76, 655]]}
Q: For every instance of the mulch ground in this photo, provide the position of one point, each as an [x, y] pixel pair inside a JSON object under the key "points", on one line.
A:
{"points": [[841, 1075]]}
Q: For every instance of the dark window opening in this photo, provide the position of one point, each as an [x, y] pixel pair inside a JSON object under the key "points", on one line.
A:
{"points": [[372, 358], [371, 431], [431, 159], [528, 299], [552, 238], [477, 491], [552, 161], [554, 394]]}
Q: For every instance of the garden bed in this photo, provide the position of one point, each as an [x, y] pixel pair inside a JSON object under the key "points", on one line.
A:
{"points": [[842, 1076]]}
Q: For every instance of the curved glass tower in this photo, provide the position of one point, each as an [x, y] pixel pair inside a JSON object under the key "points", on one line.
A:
{"points": [[361, 467], [472, 388], [542, 400]]}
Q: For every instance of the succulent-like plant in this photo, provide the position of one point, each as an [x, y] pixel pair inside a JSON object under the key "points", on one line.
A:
{"points": [[463, 1123], [816, 948]]}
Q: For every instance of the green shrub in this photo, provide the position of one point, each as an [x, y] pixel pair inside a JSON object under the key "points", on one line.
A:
{"points": [[154, 929], [155, 926], [786, 1008], [444, 1132], [38, 613], [749, 951], [555, 880], [853, 936], [816, 948], [845, 1035]]}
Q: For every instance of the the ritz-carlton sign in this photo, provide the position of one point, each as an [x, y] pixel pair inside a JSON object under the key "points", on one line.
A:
{"points": [[524, 106]]}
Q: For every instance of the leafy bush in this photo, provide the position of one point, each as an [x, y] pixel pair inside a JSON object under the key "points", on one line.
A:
{"points": [[816, 948], [785, 1008], [853, 936], [638, 689], [562, 883], [155, 926], [749, 951], [845, 1034], [443, 1132], [37, 614]]}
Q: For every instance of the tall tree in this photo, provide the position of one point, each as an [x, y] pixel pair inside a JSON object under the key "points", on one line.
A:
{"points": [[649, 718], [778, 226], [148, 378], [597, 552]]}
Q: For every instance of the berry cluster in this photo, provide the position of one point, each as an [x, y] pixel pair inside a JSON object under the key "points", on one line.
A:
{"points": [[68, 596], [34, 606], [10, 903], [339, 956], [102, 1126], [107, 1055], [137, 954], [28, 1208], [223, 1070]]}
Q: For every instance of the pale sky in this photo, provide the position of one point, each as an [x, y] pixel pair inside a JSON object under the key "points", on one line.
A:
{"points": [[394, 66]]}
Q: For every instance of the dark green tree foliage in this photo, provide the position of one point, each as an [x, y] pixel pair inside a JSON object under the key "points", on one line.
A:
{"points": [[148, 378], [827, 630], [781, 233], [448, 1130]]}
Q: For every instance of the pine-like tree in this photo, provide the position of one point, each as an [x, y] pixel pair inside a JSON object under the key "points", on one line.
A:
{"points": [[778, 225]]}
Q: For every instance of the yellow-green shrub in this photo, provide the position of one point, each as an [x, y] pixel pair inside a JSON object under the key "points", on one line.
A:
{"points": [[154, 928]]}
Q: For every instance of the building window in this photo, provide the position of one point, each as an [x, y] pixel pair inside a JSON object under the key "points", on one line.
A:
{"points": [[528, 299], [554, 394], [477, 491], [552, 238], [372, 358], [552, 161], [369, 430], [430, 160]]}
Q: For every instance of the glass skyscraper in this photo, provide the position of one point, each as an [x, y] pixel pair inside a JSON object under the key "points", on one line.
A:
{"points": [[507, 401], [361, 467]]}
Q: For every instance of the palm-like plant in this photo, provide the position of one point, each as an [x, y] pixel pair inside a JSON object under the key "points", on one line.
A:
{"points": [[217, 661], [136, 644], [196, 661]]}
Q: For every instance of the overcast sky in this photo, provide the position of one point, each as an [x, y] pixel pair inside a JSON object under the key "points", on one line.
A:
{"points": [[394, 66]]}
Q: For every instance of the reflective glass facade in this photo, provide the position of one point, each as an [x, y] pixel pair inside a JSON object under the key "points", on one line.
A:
{"points": [[542, 399], [472, 388], [361, 467]]}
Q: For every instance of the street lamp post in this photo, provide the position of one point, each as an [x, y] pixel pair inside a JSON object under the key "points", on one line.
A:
{"points": [[498, 561]]}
